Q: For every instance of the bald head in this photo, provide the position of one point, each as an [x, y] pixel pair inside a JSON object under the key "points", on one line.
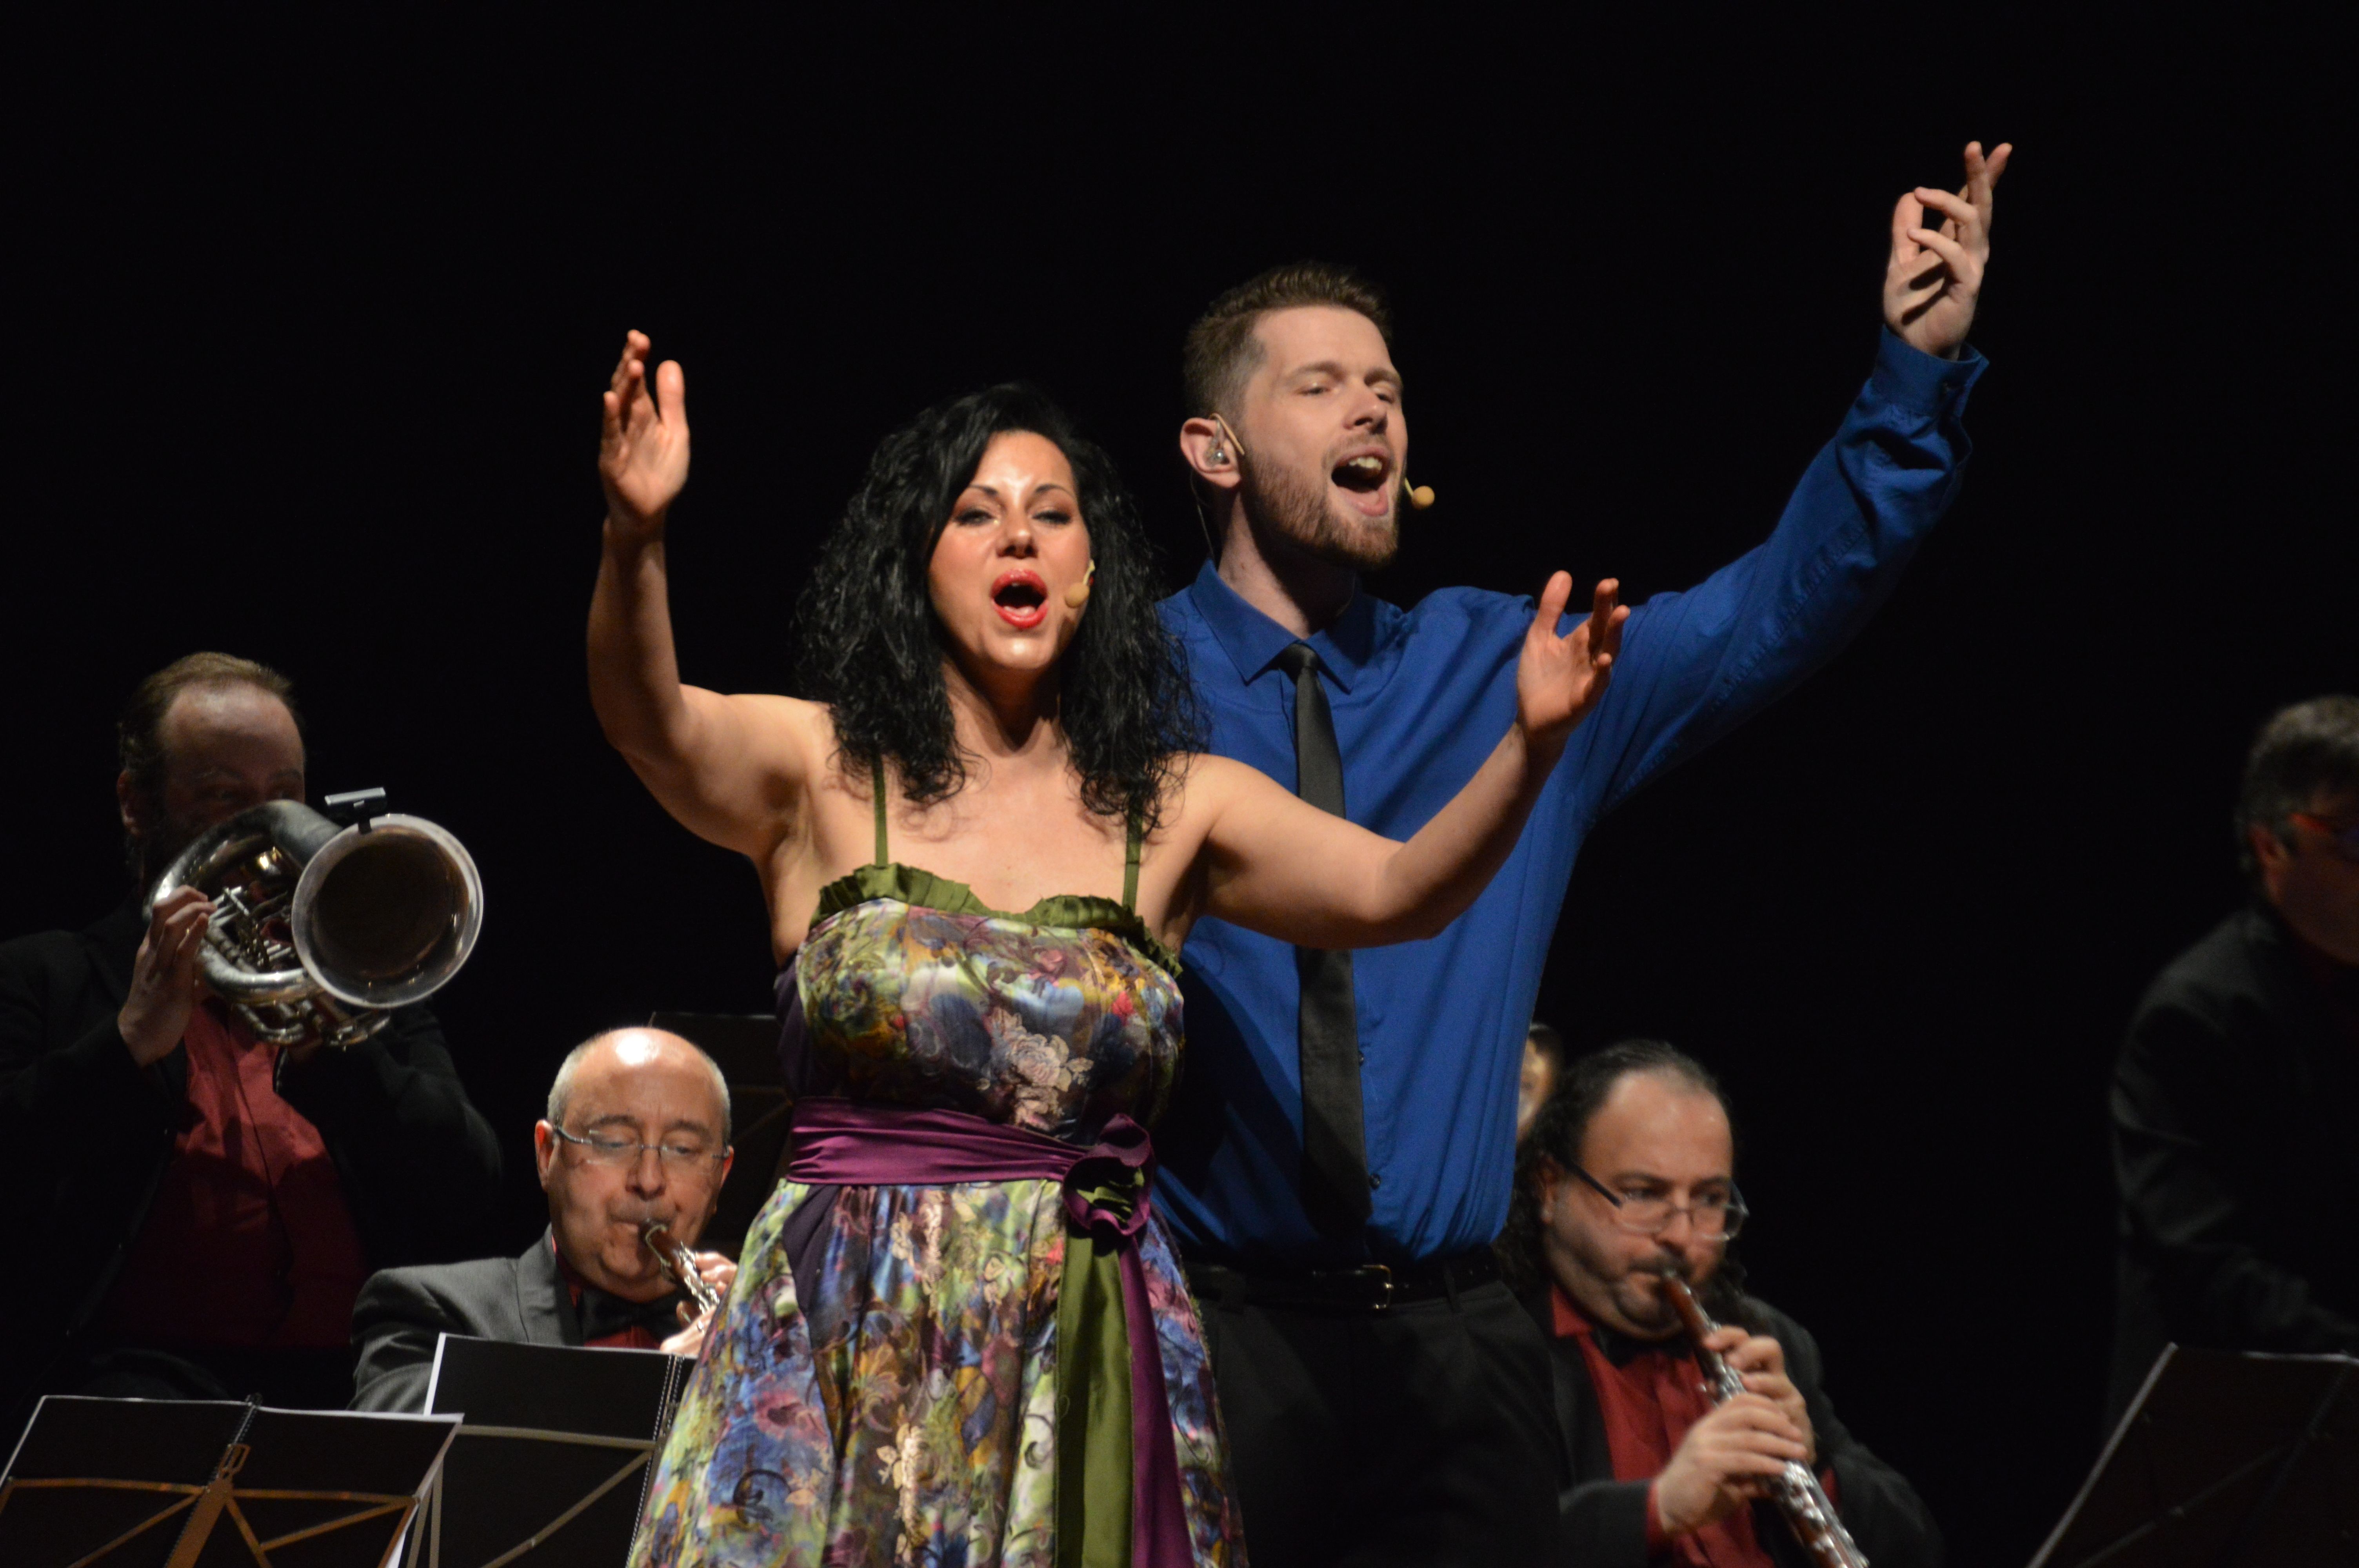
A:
{"points": [[628, 1051], [638, 1133]]}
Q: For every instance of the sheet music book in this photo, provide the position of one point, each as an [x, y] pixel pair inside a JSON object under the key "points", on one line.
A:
{"points": [[212, 1484], [550, 1465]]}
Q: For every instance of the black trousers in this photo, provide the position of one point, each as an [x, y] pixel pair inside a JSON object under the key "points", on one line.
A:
{"points": [[1423, 1436]]}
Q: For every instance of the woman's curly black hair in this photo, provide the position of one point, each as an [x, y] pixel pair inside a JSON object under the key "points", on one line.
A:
{"points": [[871, 648], [1552, 1146]]}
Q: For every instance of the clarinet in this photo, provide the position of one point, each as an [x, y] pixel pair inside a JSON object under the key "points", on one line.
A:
{"points": [[678, 1265], [1808, 1512]]}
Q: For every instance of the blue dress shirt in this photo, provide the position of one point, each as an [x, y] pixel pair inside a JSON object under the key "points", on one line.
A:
{"points": [[1421, 697]]}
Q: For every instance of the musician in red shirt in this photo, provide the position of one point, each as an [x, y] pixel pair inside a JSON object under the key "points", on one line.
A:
{"points": [[202, 1206], [1628, 1172]]}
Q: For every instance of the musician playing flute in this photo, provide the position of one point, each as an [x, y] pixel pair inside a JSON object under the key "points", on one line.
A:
{"points": [[1629, 1174]]}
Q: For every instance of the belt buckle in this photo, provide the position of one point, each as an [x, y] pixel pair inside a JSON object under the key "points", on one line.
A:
{"points": [[1384, 1302]]}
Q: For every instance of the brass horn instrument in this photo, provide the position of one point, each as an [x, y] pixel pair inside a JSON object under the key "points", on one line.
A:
{"points": [[320, 928]]}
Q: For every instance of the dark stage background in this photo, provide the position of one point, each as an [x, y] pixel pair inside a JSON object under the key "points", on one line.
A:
{"points": [[310, 328]]}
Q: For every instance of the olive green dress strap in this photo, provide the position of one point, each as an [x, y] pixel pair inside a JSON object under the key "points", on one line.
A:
{"points": [[876, 787], [1130, 866]]}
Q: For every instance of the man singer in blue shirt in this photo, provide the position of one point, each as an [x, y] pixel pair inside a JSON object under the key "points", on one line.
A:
{"points": [[1342, 1155]]}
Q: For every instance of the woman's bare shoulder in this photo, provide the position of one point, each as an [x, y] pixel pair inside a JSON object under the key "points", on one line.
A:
{"points": [[1204, 780]]}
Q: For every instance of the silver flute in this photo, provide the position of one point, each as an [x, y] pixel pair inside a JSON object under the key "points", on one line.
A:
{"points": [[1796, 1492], [678, 1265]]}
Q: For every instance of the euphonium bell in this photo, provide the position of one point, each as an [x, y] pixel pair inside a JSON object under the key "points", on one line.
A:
{"points": [[320, 928]]}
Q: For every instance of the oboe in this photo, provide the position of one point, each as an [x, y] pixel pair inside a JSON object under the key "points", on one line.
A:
{"points": [[678, 1265], [1796, 1492]]}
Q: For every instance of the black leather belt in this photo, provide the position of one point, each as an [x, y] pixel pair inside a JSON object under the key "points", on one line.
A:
{"points": [[1370, 1287]]}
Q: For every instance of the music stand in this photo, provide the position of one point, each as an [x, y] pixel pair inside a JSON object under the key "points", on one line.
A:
{"points": [[553, 1454], [746, 1045], [2224, 1458], [179, 1483]]}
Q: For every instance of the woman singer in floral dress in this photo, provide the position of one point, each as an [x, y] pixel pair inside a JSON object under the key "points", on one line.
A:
{"points": [[960, 1335]]}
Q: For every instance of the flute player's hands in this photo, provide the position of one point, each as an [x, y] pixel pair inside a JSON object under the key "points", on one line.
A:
{"points": [[1761, 1361], [1724, 1462]]}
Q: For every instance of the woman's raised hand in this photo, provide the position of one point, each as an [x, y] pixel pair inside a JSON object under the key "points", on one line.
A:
{"points": [[643, 440], [1560, 679]]}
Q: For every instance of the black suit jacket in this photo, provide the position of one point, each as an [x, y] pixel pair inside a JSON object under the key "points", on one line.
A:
{"points": [[1604, 1521], [90, 1133], [2234, 1158], [402, 1311]]}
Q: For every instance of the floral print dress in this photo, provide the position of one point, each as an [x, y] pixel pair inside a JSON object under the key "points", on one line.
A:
{"points": [[880, 1386]]}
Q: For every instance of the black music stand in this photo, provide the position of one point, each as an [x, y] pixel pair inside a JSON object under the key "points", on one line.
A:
{"points": [[551, 1462], [746, 1047], [184, 1483], [2225, 1459]]}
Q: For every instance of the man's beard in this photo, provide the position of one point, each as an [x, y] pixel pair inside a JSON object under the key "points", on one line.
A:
{"points": [[1300, 514], [160, 848]]}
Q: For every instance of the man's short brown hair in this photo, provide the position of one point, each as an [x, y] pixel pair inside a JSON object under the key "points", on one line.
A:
{"points": [[139, 734], [1221, 351]]}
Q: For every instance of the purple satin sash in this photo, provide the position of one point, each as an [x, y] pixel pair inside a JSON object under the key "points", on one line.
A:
{"points": [[840, 1142]]}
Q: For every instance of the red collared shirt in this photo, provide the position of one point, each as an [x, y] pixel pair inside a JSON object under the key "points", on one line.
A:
{"points": [[249, 1242], [1646, 1404]]}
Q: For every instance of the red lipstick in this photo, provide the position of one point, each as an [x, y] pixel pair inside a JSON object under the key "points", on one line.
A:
{"points": [[1021, 597]]}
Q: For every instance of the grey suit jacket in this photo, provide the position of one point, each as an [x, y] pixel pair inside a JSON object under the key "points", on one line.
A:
{"points": [[402, 1311]]}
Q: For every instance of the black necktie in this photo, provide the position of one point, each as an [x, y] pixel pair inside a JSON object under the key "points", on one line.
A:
{"points": [[1334, 1182]]}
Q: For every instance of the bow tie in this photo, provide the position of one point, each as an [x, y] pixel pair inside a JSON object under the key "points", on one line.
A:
{"points": [[604, 1315]]}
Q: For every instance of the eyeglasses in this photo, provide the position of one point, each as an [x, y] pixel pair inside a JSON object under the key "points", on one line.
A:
{"points": [[1715, 1219], [678, 1159], [2345, 838]]}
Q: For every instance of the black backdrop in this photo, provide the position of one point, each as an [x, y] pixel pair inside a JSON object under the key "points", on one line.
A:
{"points": [[310, 328]]}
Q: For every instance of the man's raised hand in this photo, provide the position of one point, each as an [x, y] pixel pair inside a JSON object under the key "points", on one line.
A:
{"points": [[642, 440], [1934, 275], [1560, 679]]}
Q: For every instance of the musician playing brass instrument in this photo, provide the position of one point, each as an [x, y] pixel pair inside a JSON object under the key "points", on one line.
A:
{"points": [[631, 1156], [198, 1204], [1628, 1175]]}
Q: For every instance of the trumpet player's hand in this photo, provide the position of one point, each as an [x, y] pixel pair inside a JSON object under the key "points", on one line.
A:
{"points": [[689, 1341], [1762, 1362], [1724, 1462], [164, 976], [642, 443], [718, 1272]]}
